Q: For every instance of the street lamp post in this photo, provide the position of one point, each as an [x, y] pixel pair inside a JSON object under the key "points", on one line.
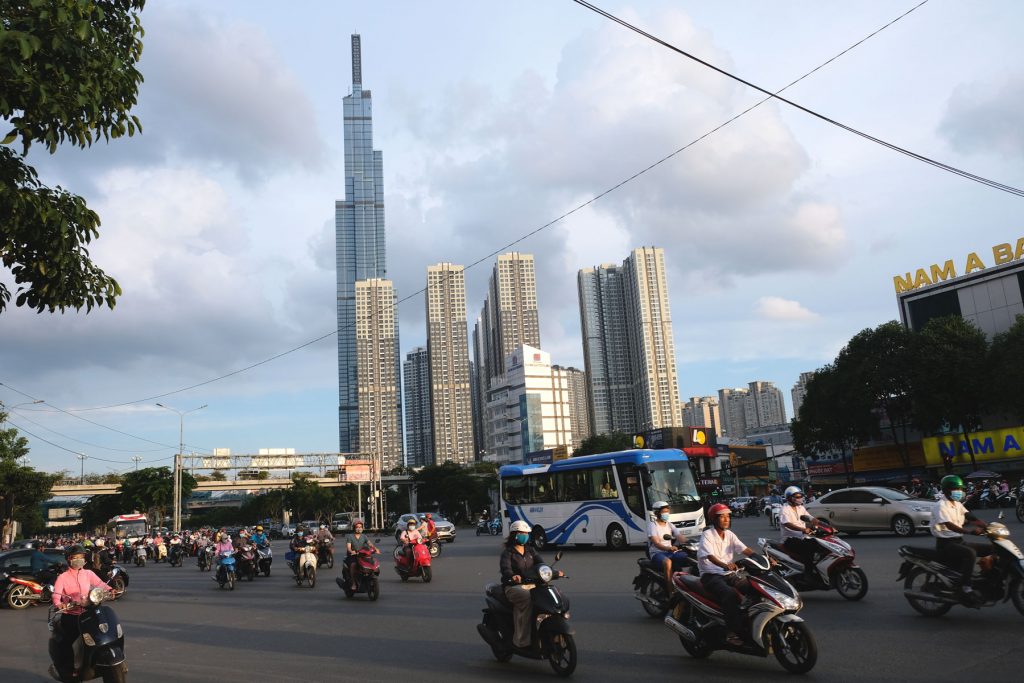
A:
{"points": [[176, 522]]}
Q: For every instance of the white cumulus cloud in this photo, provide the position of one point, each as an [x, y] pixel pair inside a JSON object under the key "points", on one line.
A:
{"points": [[777, 308]]}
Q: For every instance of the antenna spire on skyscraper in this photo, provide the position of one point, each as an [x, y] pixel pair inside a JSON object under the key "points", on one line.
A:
{"points": [[357, 61]]}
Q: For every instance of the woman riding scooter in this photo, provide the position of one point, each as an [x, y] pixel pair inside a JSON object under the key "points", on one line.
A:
{"points": [[70, 591], [516, 559]]}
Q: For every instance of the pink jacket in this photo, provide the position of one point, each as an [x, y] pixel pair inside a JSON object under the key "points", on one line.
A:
{"points": [[73, 586]]}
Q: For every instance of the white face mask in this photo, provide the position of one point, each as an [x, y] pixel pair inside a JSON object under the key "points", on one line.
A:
{"points": [[77, 563]]}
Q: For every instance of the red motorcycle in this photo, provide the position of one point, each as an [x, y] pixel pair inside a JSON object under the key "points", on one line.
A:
{"points": [[367, 570], [25, 590], [418, 565]]}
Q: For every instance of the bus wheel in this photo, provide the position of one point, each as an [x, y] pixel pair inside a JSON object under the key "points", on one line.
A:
{"points": [[616, 537], [540, 538]]}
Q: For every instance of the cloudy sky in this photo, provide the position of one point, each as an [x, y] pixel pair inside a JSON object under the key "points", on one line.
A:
{"points": [[782, 233]]}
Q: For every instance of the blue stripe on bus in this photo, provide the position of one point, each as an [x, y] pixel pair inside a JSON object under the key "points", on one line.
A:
{"points": [[560, 533]]}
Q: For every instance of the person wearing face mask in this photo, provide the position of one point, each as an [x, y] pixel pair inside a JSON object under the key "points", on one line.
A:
{"points": [[794, 530], [409, 537], [660, 549], [949, 526], [70, 591], [516, 559]]}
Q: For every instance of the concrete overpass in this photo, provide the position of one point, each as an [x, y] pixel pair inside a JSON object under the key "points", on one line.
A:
{"points": [[73, 488]]}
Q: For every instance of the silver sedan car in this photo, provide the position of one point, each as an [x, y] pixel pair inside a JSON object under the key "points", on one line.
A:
{"points": [[873, 508]]}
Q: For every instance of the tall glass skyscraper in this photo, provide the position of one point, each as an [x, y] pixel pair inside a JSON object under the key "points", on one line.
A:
{"points": [[359, 235]]}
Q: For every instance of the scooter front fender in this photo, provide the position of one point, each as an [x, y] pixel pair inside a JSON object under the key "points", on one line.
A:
{"points": [[555, 623], [109, 655]]}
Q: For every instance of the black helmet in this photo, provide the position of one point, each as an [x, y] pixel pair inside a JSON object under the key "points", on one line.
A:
{"points": [[74, 550]]}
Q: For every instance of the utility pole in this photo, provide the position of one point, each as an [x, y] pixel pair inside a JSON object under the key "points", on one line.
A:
{"points": [[176, 521], [136, 459], [82, 457]]}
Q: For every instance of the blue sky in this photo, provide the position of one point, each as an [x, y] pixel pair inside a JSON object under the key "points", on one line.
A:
{"points": [[782, 233]]}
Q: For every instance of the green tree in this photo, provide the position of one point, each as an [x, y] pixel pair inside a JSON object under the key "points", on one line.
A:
{"points": [[829, 421], [950, 377], [605, 443], [98, 510], [1006, 371], [67, 75], [453, 489], [152, 489], [22, 488]]}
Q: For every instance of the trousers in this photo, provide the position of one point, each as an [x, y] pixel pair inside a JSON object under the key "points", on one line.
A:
{"points": [[959, 555], [521, 601], [722, 588]]}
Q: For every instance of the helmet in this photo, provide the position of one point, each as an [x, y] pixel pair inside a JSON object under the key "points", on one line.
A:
{"points": [[100, 542], [259, 528], [429, 516], [718, 509], [519, 527], [87, 543], [357, 522], [792, 491], [323, 526], [950, 482], [74, 550], [658, 504]]}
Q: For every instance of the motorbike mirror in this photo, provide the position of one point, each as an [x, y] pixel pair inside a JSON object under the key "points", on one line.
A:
{"points": [[1001, 515], [805, 518], [376, 540], [558, 556], [667, 537]]}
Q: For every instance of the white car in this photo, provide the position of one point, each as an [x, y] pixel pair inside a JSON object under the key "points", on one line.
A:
{"points": [[287, 530]]}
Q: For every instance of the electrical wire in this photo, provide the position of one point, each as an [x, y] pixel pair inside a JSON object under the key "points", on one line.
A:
{"points": [[89, 457], [86, 443], [914, 155], [513, 243]]}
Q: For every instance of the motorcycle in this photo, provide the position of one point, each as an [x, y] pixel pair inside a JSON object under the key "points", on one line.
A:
{"points": [[205, 560], [24, 590], [140, 556], [304, 566], [245, 558], [367, 570], [264, 559], [99, 651], [483, 526], [324, 555], [834, 565], [226, 571], [649, 583], [418, 565], [115, 577], [774, 512], [161, 552], [1020, 501], [551, 635], [177, 555], [495, 526], [931, 587], [775, 627]]}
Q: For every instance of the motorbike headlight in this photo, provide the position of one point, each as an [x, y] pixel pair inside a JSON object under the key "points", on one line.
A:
{"points": [[545, 573], [96, 596], [88, 640], [785, 601], [999, 532]]}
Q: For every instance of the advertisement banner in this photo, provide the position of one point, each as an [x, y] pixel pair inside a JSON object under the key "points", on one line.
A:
{"points": [[991, 446], [886, 457]]}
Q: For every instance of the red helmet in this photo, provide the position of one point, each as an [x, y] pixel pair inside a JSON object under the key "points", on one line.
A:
{"points": [[718, 509], [428, 515]]}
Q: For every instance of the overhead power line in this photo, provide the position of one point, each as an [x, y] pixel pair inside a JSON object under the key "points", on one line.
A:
{"points": [[87, 443], [91, 457], [896, 148], [513, 243]]}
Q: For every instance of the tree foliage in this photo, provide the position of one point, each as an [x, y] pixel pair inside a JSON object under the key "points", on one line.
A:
{"points": [[453, 489], [152, 489], [605, 443], [67, 75], [1006, 370], [22, 488]]}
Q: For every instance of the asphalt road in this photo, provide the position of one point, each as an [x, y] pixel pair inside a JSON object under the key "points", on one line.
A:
{"points": [[180, 626]]}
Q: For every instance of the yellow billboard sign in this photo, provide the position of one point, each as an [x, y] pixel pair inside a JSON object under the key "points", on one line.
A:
{"points": [[922, 277], [991, 446]]}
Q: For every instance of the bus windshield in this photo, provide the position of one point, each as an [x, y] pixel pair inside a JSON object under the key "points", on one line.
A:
{"points": [[134, 529], [673, 483]]}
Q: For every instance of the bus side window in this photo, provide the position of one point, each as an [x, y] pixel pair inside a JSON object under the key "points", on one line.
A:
{"points": [[603, 482], [632, 493]]}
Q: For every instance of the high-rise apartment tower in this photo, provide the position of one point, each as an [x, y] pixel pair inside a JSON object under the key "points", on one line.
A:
{"points": [[419, 437], [379, 384]]}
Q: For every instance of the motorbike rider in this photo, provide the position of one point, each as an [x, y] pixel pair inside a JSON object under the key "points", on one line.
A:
{"points": [[224, 545], [949, 526], [429, 529], [715, 553], [260, 538], [658, 548], [298, 546], [358, 541], [101, 560], [70, 591], [794, 531], [325, 539], [516, 559], [410, 537]]}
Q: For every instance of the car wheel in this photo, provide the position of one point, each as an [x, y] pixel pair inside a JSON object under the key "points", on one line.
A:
{"points": [[903, 526]]}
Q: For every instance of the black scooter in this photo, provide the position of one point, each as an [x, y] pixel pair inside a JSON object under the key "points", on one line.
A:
{"points": [[98, 652], [649, 583], [551, 635]]}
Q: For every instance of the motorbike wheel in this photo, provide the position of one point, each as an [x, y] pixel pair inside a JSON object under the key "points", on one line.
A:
{"points": [[373, 590], [478, 531], [654, 590], [435, 550], [1017, 595], [118, 585], [115, 674], [311, 577], [266, 570], [330, 561], [561, 649], [794, 647], [251, 574], [851, 583], [1020, 511], [231, 581], [427, 574], [919, 581], [19, 597]]}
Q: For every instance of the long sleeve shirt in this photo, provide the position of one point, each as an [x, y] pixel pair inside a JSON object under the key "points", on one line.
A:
{"points": [[515, 564], [73, 586]]}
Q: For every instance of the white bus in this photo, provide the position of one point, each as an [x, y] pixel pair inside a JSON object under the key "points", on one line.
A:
{"points": [[601, 499]]}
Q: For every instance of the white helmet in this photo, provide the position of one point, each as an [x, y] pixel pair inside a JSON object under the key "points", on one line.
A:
{"points": [[519, 526], [658, 504], [792, 491], [100, 542]]}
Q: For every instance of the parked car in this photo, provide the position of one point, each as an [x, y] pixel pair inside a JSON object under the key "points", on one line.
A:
{"points": [[873, 508], [342, 522], [287, 531], [739, 505], [445, 529]]}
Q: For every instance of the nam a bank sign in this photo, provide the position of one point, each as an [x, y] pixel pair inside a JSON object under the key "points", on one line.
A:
{"points": [[922, 277], [999, 444]]}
